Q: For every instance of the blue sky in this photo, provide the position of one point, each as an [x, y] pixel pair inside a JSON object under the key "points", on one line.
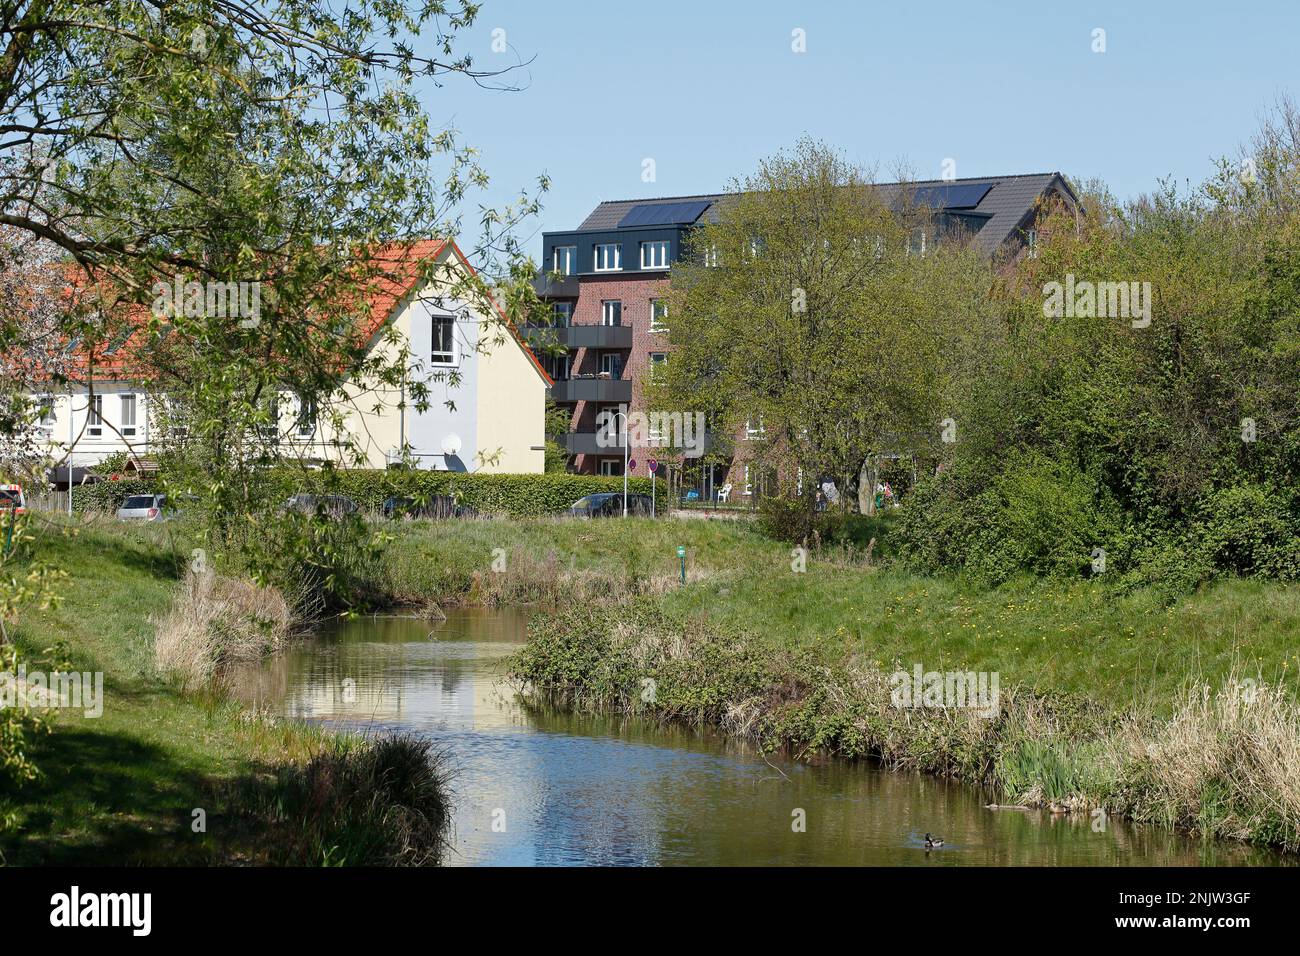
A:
{"points": [[706, 88]]}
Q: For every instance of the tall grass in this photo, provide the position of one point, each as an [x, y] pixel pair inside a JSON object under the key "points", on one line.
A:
{"points": [[378, 802], [217, 620]]}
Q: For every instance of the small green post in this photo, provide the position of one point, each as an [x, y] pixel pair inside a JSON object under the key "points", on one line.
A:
{"points": [[681, 555], [9, 531]]}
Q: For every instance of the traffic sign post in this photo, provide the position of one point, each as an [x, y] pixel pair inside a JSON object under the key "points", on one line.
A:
{"points": [[653, 465], [681, 556]]}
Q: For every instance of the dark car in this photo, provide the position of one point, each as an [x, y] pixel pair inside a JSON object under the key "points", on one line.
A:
{"points": [[609, 505], [334, 506], [436, 506]]}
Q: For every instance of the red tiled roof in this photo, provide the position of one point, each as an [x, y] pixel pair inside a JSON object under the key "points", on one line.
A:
{"points": [[397, 267]]}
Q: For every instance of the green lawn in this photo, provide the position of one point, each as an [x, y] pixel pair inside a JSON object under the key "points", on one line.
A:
{"points": [[121, 787], [1081, 637]]}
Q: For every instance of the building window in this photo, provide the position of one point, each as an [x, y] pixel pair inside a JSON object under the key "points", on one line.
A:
{"points": [[611, 467], [128, 416], [95, 426], [608, 257], [657, 360], [755, 432], [561, 314], [798, 482], [611, 312], [562, 259], [1031, 242], [658, 315], [612, 365], [711, 257], [557, 366], [654, 255], [306, 424], [444, 340], [47, 414], [749, 488]]}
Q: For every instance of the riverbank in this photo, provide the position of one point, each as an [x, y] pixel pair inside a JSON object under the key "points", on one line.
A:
{"points": [[168, 776], [1178, 714]]}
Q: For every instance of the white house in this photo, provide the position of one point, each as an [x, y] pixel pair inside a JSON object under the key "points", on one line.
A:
{"points": [[496, 425]]}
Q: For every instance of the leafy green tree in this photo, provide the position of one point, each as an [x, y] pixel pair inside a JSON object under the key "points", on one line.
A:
{"points": [[809, 311]]}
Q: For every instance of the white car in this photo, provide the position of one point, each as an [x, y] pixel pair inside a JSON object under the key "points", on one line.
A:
{"points": [[142, 508]]}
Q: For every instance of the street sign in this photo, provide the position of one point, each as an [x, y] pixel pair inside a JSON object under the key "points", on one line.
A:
{"points": [[631, 465], [653, 465], [681, 551]]}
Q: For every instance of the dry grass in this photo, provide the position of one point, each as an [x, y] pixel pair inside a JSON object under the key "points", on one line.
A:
{"points": [[217, 620], [1227, 762]]}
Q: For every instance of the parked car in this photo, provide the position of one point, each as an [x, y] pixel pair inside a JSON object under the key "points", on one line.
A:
{"points": [[334, 506], [143, 508], [436, 506], [609, 505], [11, 499]]}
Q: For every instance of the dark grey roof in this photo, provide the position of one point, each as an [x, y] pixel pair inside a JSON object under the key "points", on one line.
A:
{"points": [[1005, 206]]}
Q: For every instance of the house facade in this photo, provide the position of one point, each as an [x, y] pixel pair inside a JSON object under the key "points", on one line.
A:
{"points": [[489, 419], [607, 283]]}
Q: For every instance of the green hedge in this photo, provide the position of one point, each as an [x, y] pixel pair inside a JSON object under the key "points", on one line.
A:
{"points": [[109, 495], [514, 495]]}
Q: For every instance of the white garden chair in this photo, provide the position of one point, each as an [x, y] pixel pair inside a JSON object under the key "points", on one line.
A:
{"points": [[723, 492]]}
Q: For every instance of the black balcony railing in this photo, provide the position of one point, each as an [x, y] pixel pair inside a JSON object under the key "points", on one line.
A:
{"points": [[592, 390], [581, 336]]}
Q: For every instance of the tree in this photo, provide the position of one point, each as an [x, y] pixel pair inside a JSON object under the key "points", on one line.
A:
{"points": [[810, 311], [277, 146]]}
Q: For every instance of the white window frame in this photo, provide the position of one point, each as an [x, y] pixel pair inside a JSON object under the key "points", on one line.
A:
{"points": [[749, 488], [658, 324], [556, 313], [127, 401], [657, 250], [304, 425], [599, 254], [95, 416], [607, 466], [47, 419], [442, 358], [606, 312], [563, 258], [711, 256], [1031, 243], [752, 433], [614, 358]]}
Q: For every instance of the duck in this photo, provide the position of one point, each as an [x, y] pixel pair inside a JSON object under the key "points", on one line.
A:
{"points": [[931, 842]]}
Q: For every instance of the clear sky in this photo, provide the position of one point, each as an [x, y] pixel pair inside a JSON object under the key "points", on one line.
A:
{"points": [[706, 88]]}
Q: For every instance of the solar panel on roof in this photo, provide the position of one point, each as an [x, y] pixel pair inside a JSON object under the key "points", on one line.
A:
{"points": [[953, 196], [664, 214]]}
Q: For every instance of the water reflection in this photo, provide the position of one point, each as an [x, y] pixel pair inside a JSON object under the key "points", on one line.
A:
{"points": [[546, 788]]}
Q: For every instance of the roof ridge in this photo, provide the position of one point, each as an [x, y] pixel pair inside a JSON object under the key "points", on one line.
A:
{"points": [[896, 182]]}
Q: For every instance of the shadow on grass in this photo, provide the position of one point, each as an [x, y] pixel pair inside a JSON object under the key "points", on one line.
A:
{"points": [[105, 800]]}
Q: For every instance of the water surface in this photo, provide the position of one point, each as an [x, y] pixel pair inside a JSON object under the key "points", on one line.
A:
{"points": [[550, 789]]}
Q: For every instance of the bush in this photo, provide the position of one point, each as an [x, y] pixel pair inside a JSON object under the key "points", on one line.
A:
{"points": [[1037, 515], [518, 496], [107, 496], [1250, 529]]}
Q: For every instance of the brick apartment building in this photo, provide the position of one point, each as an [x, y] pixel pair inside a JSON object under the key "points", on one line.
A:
{"points": [[615, 268]]}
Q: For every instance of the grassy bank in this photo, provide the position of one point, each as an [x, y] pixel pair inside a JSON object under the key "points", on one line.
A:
{"points": [[124, 787], [1180, 714]]}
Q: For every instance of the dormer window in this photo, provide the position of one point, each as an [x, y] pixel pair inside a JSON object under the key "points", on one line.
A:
{"points": [[654, 255], [608, 257], [562, 258]]}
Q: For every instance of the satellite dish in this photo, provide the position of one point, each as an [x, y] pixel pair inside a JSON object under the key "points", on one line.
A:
{"points": [[451, 445]]}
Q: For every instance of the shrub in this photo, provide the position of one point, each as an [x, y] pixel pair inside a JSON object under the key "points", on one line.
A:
{"points": [[1250, 529]]}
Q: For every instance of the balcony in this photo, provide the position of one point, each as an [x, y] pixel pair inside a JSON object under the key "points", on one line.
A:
{"points": [[582, 336], [586, 443], [592, 390]]}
